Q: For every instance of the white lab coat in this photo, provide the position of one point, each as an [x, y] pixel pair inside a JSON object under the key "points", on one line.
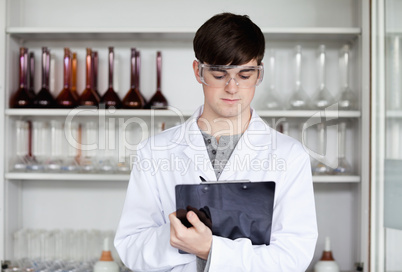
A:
{"points": [[178, 156]]}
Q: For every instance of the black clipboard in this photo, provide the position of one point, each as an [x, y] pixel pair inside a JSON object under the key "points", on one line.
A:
{"points": [[238, 209]]}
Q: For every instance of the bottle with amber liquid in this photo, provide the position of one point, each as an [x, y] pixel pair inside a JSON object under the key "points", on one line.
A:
{"points": [[21, 98], [74, 76], [110, 98], [88, 96], [133, 98], [158, 100], [66, 98], [44, 98]]}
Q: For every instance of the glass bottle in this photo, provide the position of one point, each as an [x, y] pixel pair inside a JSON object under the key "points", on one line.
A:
{"points": [[54, 161], [347, 98], [319, 167], [95, 65], [133, 98], [343, 168], [110, 98], [72, 142], [123, 163], [327, 262], [107, 163], [31, 75], [272, 101], [138, 70], [38, 145], [66, 98], [44, 98], [88, 160], [74, 76], [158, 100], [88, 96], [19, 163], [21, 98], [323, 98], [299, 99]]}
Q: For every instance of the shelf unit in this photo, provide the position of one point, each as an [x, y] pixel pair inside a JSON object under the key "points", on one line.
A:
{"points": [[125, 177], [172, 113], [341, 197]]}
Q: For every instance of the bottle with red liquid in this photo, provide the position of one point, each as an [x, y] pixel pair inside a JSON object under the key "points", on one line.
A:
{"points": [[74, 76], [95, 65], [44, 98], [66, 98], [88, 96], [110, 98], [158, 100], [133, 98], [137, 70], [22, 98], [31, 75]]}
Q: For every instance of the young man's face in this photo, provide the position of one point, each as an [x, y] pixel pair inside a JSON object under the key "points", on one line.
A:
{"points": [[229, 101]]}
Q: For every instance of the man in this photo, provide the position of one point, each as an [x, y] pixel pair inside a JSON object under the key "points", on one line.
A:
{"points": [[225, 139]]}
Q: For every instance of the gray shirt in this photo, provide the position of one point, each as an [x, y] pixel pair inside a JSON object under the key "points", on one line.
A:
{"points": [[219, 154]]}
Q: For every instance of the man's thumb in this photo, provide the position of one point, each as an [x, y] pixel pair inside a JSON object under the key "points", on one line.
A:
{"points": [[193, 219]]}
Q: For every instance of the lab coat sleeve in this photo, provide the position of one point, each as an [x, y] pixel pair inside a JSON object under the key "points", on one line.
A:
{"points": [[294, 229], [143, 234]]}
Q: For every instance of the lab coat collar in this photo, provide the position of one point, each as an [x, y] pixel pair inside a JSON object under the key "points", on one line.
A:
{"points": [[257, 137], [258, 132]]}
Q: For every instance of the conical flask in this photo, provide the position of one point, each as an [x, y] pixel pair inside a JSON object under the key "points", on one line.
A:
{"points": [[347, 98], [272, 101], [322, 98], [299, 99]]}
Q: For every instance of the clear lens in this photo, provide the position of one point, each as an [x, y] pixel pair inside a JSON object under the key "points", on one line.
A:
{"points": [[218, 76]]}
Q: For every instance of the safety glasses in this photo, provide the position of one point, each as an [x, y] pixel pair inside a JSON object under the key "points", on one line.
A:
{"points": [[219, 76]]}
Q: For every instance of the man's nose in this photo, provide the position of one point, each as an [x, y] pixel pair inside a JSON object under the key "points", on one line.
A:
{"points": [[232, 86]]}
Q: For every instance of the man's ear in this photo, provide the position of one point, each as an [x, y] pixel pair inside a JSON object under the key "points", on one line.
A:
{"points": [[196, 71]]}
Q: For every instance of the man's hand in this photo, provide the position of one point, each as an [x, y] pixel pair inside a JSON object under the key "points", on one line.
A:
{"points": [[196, 240]]}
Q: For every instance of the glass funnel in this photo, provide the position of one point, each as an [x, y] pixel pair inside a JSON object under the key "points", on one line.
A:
{"points": [[272, 101], [322, 98], [343, 168], [299, 99], [347, 99]]}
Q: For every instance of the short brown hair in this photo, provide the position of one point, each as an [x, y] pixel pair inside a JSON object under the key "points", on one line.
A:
{"points": [[228, 38]]}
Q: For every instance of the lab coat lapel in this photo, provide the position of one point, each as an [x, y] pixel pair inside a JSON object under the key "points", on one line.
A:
{"points": [[257, 138], [191, 138]]}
